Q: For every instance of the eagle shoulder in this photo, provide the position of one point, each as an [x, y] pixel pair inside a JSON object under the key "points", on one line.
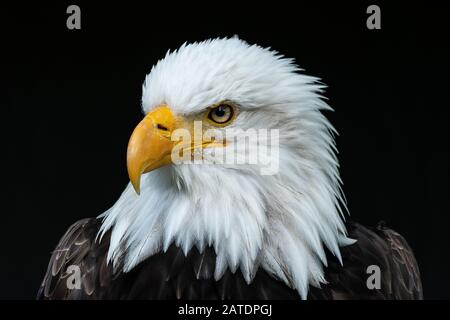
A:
{"points": [[78, 257], [406, 282], [381, 247]]}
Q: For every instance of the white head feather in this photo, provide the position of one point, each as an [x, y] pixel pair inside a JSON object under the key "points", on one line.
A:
{"points": [[276, 222]]}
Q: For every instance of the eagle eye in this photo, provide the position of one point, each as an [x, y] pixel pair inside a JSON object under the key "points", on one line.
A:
{"points": [[221, 114]]}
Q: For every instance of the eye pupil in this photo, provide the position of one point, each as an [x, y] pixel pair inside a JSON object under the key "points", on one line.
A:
{"points": [[220, 111]]}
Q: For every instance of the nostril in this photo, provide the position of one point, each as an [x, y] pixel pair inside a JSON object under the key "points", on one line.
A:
{"points": [[161, 127]]}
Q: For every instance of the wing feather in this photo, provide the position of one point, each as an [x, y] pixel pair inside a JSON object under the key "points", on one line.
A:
{"points": [[406, 282], [78, 247]]}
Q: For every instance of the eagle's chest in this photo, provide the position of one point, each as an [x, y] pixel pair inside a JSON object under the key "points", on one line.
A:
{"points": [[172, 275]]}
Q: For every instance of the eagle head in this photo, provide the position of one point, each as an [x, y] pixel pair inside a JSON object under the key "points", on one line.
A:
{"points": [[233, 153]]}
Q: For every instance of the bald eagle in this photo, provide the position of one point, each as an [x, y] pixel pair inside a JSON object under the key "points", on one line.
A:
{"points": [[201, 228]]}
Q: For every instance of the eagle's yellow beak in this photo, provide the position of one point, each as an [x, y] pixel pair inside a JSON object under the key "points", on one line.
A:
{"points": [[150, 145]]}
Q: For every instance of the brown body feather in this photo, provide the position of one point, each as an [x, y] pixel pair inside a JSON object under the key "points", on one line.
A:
{"points": [[172, 275]]}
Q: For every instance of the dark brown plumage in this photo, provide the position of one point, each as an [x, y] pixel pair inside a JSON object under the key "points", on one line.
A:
{"points": [[172, 275]]}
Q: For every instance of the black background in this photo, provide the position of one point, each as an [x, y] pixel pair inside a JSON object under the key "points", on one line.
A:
{"points": [[71, 99]]}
